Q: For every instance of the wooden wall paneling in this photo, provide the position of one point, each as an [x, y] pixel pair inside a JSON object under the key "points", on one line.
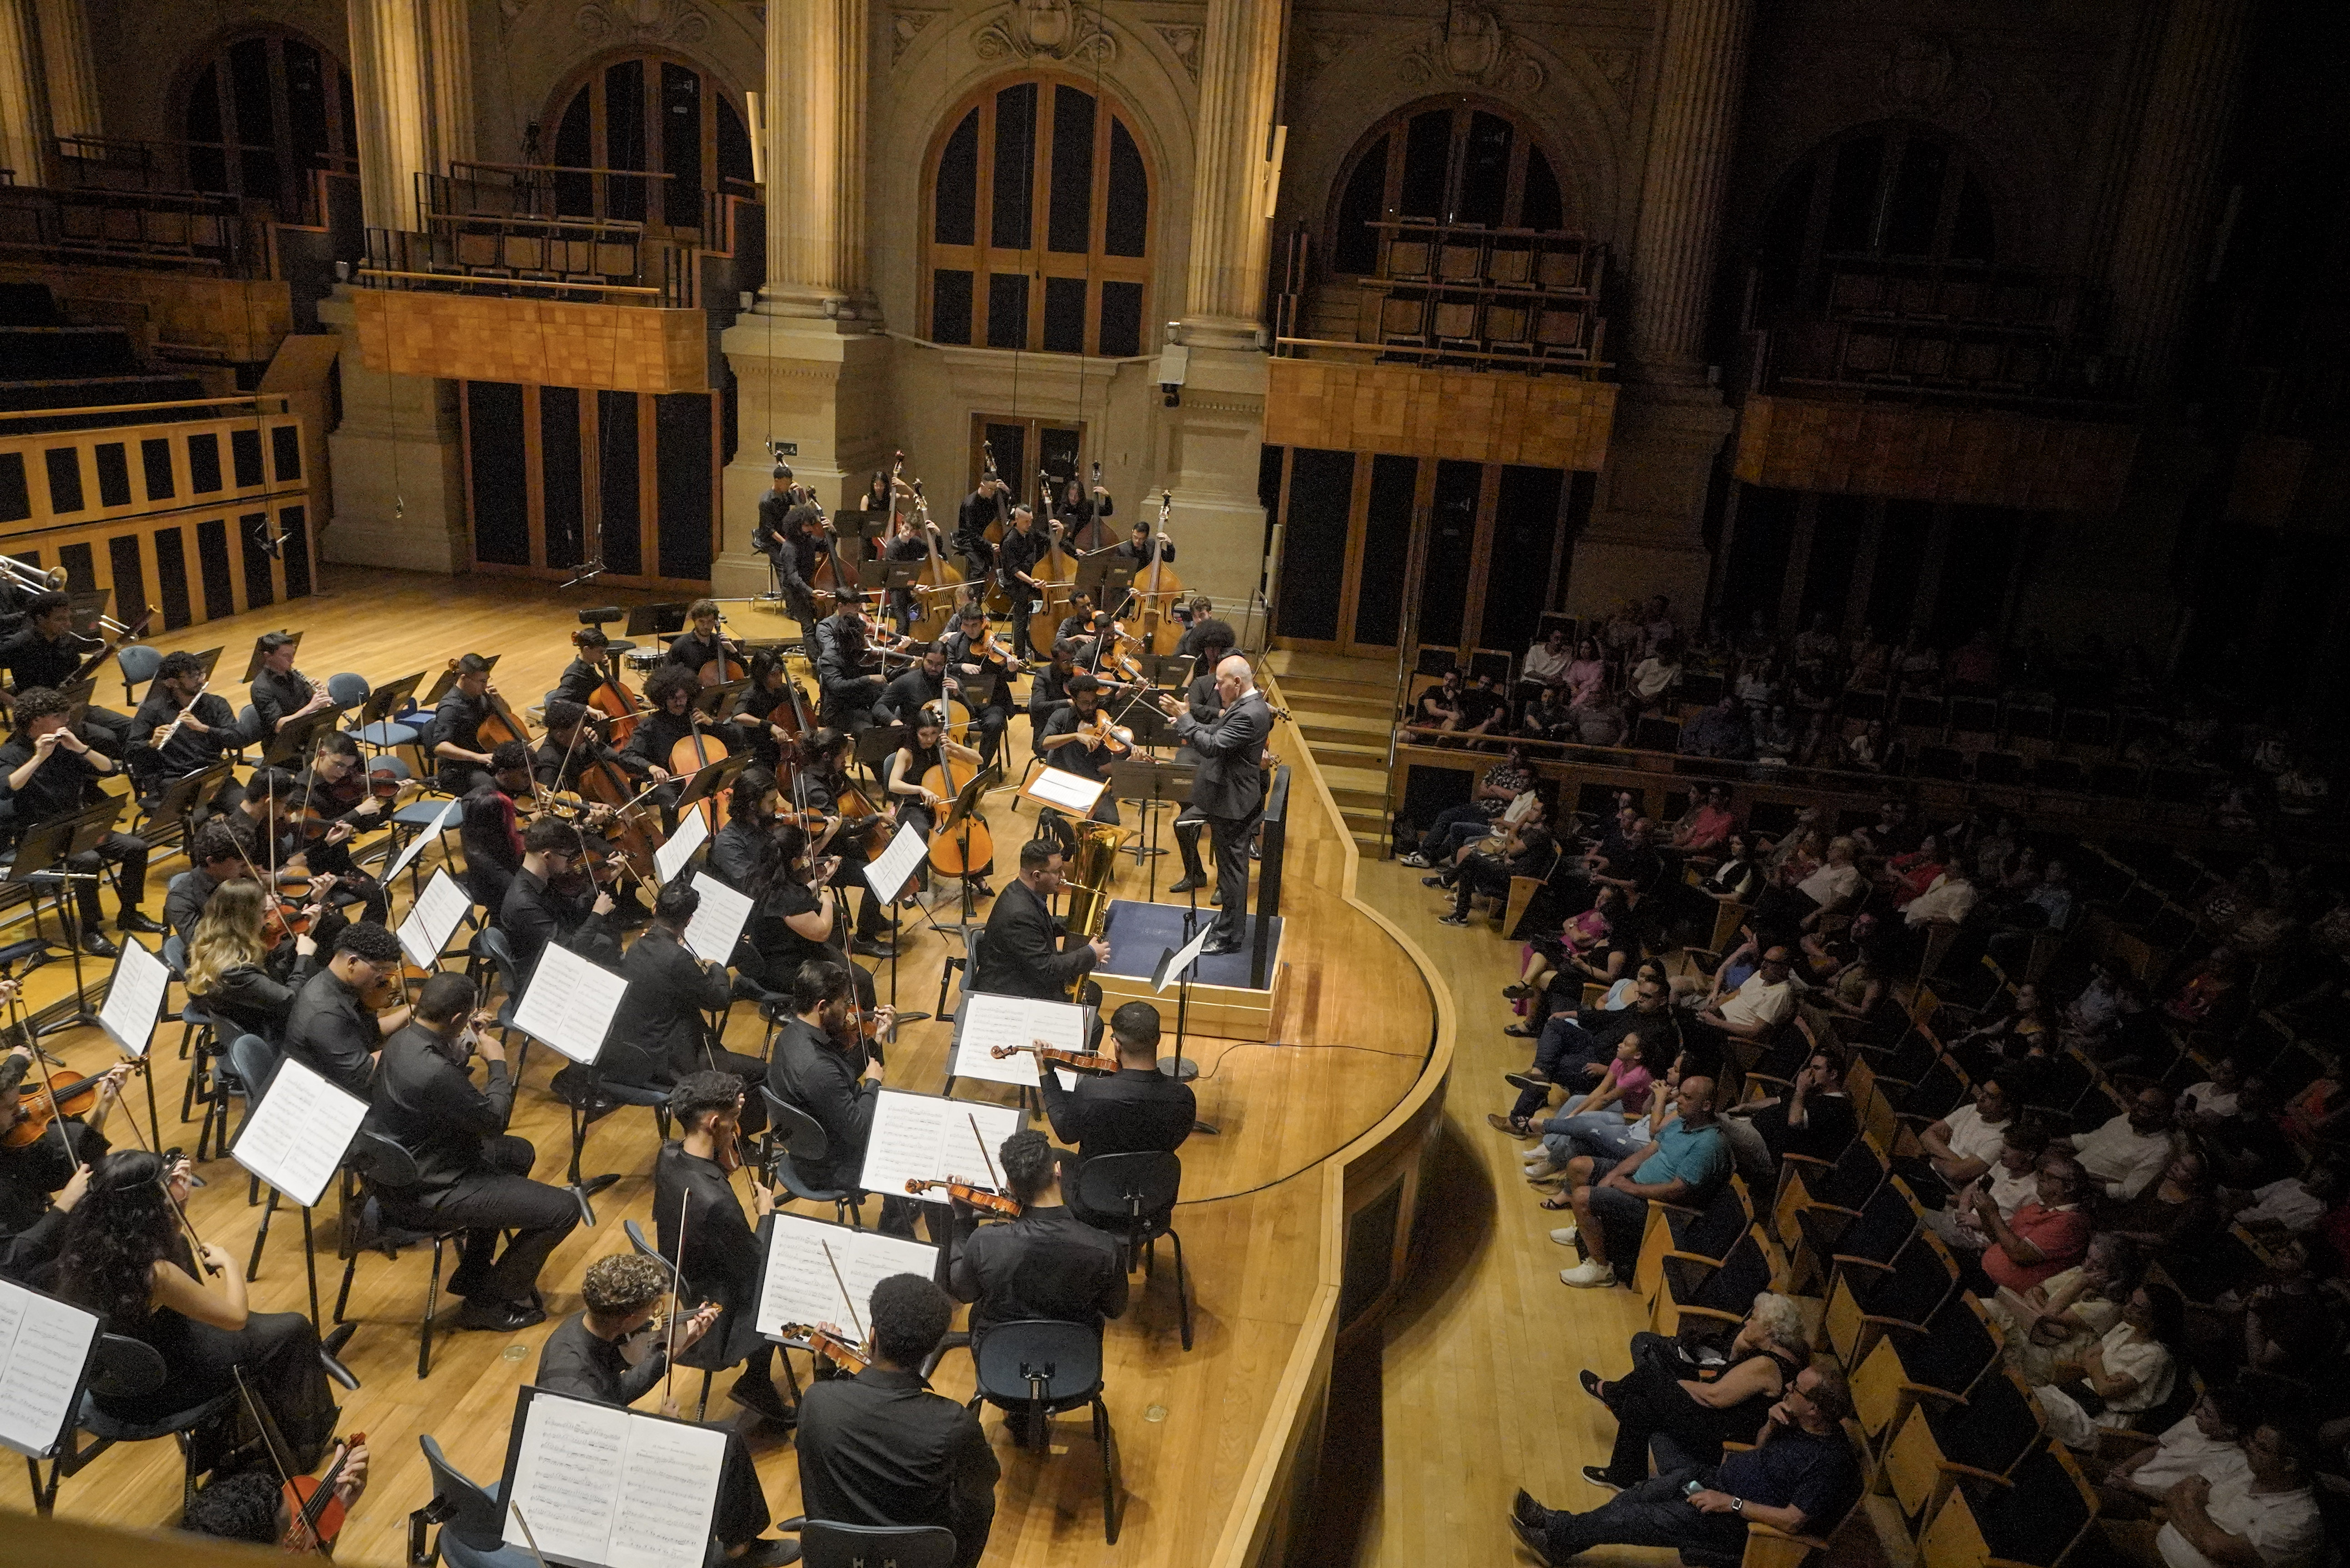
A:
{"points": [[1536, 421], [555, 343], [1904, 451], [1350, 592]]}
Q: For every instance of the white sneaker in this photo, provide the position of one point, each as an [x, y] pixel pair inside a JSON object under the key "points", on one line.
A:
{"points": [[1589, 1275], [1564, 1234]]}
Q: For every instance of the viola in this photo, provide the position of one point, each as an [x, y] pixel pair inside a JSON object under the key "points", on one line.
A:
{"points": [[314, 1514], [981, 1198], [822, 1342], [1054, 1056], [37, 1106]]}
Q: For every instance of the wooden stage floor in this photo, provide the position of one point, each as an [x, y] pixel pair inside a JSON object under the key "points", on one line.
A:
{"points": [[1351, 1036]]}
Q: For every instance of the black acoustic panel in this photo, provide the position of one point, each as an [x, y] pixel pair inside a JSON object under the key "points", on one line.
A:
{"points": [[616, 457], [294, 523], [1007, 310], [286, 448], [562, 491], [212, 565], [1126, 225], [682, 478], [1387, 546], [252, 535], [155, 460], [15, 498], [245, 456], [64, 465], [1313, 542], [113, 474], [493, 452], [1526, 530], [171, 578], [955, 206], [129, 577], [203, 463], [81, 568]]}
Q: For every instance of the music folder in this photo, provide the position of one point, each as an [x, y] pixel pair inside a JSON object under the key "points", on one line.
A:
{"points": [[299, 1129], [602, 1486], [796, 1284], [45, 1350]]}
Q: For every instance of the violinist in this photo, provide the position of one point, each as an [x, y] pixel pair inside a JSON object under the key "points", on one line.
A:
{"points": [[1048, 1263], [584, 1359], [471, 1172], [336, 782], [488, 828], [250, 1504], [841, 647], [752, 804], [1048, 687], [982, 672], [722, 1261], [981, 510], [1023, 548], [329, 854], [554, 900], [820, 1065], [670, 717], [1023, 955], [705, 643], [203, 727], [1078, 740], [659, 1036], [1078, 622], [244, 983], [1137, 1109], [1212, 640], [126, 1257], [766, 712], [40, 1181], [590, 669], [47, 653], [797, 917], [331, 1030], [567, 750], [821, 787], [453, 735], [47, 771], [280, 692], [219, 854], [880, 1448], [260, 819]]}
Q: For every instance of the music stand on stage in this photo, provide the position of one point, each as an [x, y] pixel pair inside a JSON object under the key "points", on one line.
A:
{"points": [[707, 780], [1179, 965], [711, 699], [291, 743], [895, 868], [664, 619], [210, 658], [1170, 671], [252, 664], [386, 700], [1153, 783], [875, 744], [44, 847], [958, 823], [180, 798]]}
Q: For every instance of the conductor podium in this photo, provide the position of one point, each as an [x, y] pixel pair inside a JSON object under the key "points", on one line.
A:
{"points": [[1223, 1002]]}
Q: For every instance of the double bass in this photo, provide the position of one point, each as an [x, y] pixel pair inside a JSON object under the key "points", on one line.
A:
{"points": [[998, 597], [1093, 533], [940, 591], [1155, 589]]}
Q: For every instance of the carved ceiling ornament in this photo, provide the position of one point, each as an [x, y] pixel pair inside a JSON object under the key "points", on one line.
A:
{"points": [[904, 26], [1470, 48], [1324, 45], [1924, 74], [652, 20], [1045, 30], [1616, 68], [1183, 42]]}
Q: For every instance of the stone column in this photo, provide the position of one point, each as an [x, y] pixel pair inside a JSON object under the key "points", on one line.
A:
{"points": [[411, 79], [22, 132], [398, 461], [2163, 236], [1646, 534], [69, 70]]}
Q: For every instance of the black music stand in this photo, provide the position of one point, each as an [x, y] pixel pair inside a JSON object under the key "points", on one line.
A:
{"points": [[88, 605], [1170, 671], [711, 699], [183, 794], [710, 779], [957, 822], [386, 700], [662, 619], [48, 845], [210, 658], [875, 743], [865, 525], [1152, 783], [252, 664], [896, 894], [294, 738], [1178, 1067]]}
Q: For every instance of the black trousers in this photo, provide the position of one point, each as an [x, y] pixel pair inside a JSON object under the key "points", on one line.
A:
{"points": [[873, 915], [1649, 1403], [120, 849], [1479, 874], [500, 1198], [1653, 1513], [279, 1354], [1188, 824], [848, 704], [1231, 836], [991, 722], [739, 1511], [458, 778]]}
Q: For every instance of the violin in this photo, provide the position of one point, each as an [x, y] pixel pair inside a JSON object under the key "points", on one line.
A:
{"points": [[314, 1514], [981, 1198], [822, 1342], [1054, 1056], [39, 1106], [1117, 739]]}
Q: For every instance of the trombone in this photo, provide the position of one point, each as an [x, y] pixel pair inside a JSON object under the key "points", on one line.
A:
{"points": [[34, 580]]}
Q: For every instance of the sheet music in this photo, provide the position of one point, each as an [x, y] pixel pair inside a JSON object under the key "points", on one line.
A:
{"points": [[691, 834], [668, 1490], [569, 1004], [1186, 959], [43, 1346], [797, 1286], [922, 1137], [431, 835], [887, 876], [299, 1133], [990, 1020], [718, 920], [135, 998], [433, 920], [567, 1478], [1066, 791]]}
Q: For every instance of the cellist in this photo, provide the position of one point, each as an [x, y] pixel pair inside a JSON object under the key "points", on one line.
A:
{"points": [[454, 733], [767, 713], [668, 718], [927, 748], [571, 746], [906, 543], [1077, 512], [706, 643], [590, 669]]}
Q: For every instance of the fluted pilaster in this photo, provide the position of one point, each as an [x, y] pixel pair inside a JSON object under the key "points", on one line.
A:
{"points": [[2164, 232], [69, 70], [816, 107], [412, 78], [21, 131], [1702, 72], [1239, 72]]}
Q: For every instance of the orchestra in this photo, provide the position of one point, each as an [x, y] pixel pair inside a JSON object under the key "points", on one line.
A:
{"points": [[804, 770]]}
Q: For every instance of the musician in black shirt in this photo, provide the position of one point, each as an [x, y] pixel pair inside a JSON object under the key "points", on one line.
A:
{"points": [[453, 736], [1139, 547], [1048, 1263], [981, 510], [1075, 741], [921, 683], [752, 800], [488, 830], [331, 1030], [572, 745], [819, 785], [670, 717], [41, 1181], [1023, 548], [280, 691], [850, 693], [47, 653], [48, 771], [980, 672], [769, 712], [659, 1036], [694, 1207], [203, 727], [1136, 1110], [590, 669], [552, 900], [705, 643], [908, 544], [837, 1084], [1076, 513]]}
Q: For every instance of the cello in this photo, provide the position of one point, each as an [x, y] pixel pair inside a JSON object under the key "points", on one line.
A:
{"points": [[970, 849], [691, 755]]}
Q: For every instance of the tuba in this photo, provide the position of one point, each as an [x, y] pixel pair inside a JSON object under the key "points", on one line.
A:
{"points": [[1091, 870]]}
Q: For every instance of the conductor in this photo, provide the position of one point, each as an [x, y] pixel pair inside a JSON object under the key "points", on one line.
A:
{"points": [[1228, 788]]}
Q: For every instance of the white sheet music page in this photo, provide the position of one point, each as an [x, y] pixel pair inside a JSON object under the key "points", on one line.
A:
{"points": [[922, 1137], [569, 1004], [416, 846], [1066, 791], [1187, 958], [433, 920], [134, 998], [44, 1344], [887, 877], [718, 920], [668, 1489], [670, 857], [567, 1479], [299, 1133], [798, 1289], [993, 1021]]}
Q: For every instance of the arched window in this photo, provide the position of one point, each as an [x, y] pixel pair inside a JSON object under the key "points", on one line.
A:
{"points": [[1883, 193], [1455, 163], [263, 109], [658, 116], [1040, 222]]}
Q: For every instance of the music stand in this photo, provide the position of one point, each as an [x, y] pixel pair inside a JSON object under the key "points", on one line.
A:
{"points": [[180, 798], [210, 658], [875, 743], [448, 678], [1153, 783], [48, 845], [1170, 671], [958, 821], [88, 605], [386, 700], [252, 664], [707, 780], [710, 698], [657, 621], [293, 738]]}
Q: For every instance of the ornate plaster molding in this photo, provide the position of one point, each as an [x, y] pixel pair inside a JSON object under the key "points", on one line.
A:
{"points": [[1470, 48], [1046, 30], [652, 20]]}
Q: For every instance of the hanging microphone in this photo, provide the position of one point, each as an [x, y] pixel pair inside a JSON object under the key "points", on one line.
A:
{"points": [[588, 574]]}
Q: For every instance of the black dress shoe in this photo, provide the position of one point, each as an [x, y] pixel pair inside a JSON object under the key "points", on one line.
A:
{"points": [[1186, 882], [1530, 1082], [1535, 1538], [1524, 1509], [871, 949], [95, 944], [770, 1552], [1214, 948], [757, 1393], [1217, 897], [133, 921], [505, 1317]]}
